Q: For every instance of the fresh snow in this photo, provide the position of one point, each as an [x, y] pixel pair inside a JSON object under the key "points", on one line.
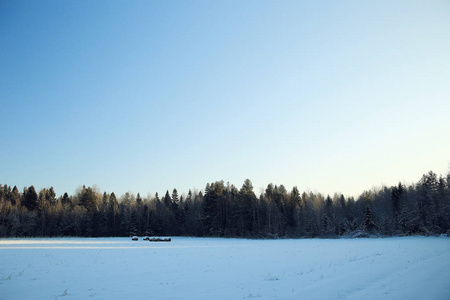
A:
{"points": [[214, 268]]}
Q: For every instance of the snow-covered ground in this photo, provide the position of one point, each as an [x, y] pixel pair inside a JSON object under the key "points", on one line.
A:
{"points": [[210, 268]]}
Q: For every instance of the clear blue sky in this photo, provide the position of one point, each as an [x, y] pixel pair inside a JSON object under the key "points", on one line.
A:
{"points": [[145, 96]]}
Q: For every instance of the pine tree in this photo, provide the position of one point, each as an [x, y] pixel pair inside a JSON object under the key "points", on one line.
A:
{"points": [[2, 195], [51, 195], [89, 199]]}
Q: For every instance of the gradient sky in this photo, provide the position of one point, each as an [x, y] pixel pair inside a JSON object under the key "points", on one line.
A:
{"points": [[145, 96]]}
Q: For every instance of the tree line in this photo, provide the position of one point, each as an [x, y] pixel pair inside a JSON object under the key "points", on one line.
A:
{"points": [[223, 210]]}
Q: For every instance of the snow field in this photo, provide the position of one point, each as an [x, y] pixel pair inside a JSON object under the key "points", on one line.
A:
{"points": [[213, 268]]}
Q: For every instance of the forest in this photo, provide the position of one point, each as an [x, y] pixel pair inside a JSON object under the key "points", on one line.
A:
{"points": [[223, 210]]}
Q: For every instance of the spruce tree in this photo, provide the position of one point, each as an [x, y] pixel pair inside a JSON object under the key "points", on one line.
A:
{"points": [[31, 199], [369, 224], [65, 200], [248, 206], [396, 196], [15, 196]]}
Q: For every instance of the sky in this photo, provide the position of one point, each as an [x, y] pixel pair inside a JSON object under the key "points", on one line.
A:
{"points": [[147, 96]]}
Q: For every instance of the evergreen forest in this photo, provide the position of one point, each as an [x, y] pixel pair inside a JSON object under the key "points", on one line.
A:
{"points": [[223, 210]]}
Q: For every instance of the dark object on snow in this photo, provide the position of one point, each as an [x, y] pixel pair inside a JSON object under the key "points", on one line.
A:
{"points": [[160, 240], [146, 238], [135, 238]]}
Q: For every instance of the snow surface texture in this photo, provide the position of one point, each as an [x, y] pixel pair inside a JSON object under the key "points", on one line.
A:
{"points": [[212, 268]]}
